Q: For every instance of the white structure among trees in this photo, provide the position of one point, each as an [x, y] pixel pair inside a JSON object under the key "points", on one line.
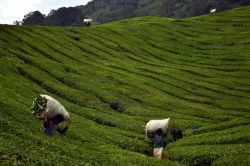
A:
{"points": [[87, 22], [213, 11]]}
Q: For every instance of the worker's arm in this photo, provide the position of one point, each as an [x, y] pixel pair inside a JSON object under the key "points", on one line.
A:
{"points": [[44, 116], [63, 130]]}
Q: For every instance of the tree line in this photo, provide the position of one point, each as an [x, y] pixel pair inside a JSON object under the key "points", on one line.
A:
{"points": [[71, 16], [102, 11]]}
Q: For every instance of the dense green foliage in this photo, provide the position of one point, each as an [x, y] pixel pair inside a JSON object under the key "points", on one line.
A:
{"points": [[33, 18], [109, 10], [195, 70], [103, 11], [71, 16], [187, 8]]}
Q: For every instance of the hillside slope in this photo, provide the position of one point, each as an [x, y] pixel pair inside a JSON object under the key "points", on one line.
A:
{"points": [[195, 70]]}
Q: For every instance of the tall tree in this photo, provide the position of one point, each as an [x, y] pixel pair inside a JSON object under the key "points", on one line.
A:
{"points": [[71, 16], [33, 18]]}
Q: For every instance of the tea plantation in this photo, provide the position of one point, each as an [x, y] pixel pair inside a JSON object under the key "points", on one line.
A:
{"points": [[113, 78]]}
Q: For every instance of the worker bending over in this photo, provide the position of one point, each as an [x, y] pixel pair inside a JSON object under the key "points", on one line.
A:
{"points": [[52, 113]]}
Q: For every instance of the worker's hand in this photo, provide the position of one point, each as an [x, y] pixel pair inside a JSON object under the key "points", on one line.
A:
{"points": [[62, 130], [65, 128]]}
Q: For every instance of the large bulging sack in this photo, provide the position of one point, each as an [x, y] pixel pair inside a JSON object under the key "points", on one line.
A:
{"points": [[154, 125], [45, 103]]}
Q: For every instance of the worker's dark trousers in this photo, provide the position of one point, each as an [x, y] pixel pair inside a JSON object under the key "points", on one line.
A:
{"points": [[52, 125]]}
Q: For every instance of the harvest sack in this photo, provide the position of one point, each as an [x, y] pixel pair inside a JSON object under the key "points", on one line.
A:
{"points": [[45, 103], [154, 125]]}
